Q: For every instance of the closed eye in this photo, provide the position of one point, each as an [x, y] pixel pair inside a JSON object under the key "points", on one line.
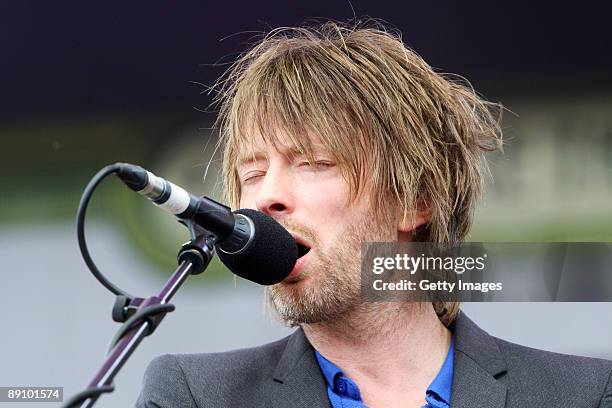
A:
{"points": [[252, 177], [317, 164]]}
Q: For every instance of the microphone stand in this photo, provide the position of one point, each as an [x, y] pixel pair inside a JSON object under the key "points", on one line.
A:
{"points": [[141, 317]]}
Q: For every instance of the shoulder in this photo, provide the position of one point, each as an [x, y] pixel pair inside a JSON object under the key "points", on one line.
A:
{"points": [[190, 380], [254, 361], [531, 377], [556, 364], [557, 377]]}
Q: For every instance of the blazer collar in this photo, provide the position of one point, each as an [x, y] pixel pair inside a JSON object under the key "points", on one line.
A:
{"points": [[479, 365], [298, 379]]}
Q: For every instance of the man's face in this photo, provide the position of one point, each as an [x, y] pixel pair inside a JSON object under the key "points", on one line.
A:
{"points": [[312, 201]]}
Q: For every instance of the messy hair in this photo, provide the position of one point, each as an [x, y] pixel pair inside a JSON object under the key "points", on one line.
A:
{"points": [[382, 112]]}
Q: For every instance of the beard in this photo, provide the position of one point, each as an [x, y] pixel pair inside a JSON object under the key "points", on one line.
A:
{"points": [[329, 286]]}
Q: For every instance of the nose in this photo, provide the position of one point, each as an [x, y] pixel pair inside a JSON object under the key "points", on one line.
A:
{"points": [[274, 196]]}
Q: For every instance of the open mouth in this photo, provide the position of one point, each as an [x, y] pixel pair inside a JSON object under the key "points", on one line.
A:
{"points": [[302, 250]]}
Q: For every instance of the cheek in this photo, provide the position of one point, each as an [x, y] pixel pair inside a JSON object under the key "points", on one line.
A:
{"points": [[241, 202], [325, 208], [246, 199], [329, 203]]}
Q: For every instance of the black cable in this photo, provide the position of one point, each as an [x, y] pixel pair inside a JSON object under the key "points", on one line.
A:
{"points": [[92, 392], [93, 183], [146, 313]]}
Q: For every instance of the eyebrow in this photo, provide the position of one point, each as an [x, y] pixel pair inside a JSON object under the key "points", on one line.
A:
{"points": [[260, 155], [250, 158]]}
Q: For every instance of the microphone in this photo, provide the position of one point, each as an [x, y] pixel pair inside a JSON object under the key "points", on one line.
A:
{"points": [[251, 244]]}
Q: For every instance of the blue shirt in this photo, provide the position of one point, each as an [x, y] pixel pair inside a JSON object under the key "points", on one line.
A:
{"points": [[344, 392]]}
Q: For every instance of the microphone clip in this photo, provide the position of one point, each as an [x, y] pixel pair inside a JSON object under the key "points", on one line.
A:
{"points": [[199, 250]]}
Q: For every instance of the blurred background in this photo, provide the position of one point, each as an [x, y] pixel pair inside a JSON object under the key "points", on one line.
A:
{"points": [[88, 84]]}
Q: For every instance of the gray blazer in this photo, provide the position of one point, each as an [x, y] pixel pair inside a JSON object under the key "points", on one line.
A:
{"points": [[489, 373]]}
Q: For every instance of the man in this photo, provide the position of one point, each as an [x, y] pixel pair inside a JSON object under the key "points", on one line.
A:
{"points": [[344, 136]]}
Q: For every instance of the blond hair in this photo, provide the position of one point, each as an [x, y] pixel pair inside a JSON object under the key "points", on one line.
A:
{"points": [[379, 109]]}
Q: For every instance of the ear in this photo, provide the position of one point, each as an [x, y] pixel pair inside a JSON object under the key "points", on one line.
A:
{"points": [[413, 219]]}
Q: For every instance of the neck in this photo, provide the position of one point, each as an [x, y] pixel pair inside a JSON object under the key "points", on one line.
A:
{"points": [[393, 348]]}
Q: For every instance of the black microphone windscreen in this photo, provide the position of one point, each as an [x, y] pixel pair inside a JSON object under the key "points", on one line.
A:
{"points": [[271, 255]]}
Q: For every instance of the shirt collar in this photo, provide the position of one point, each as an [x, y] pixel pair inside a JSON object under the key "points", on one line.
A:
{"points": [[329, 369], [441, 386]]}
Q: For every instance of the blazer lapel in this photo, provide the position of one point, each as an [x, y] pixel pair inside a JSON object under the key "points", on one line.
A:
{"points": [[298, 381], [478, 366]]}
